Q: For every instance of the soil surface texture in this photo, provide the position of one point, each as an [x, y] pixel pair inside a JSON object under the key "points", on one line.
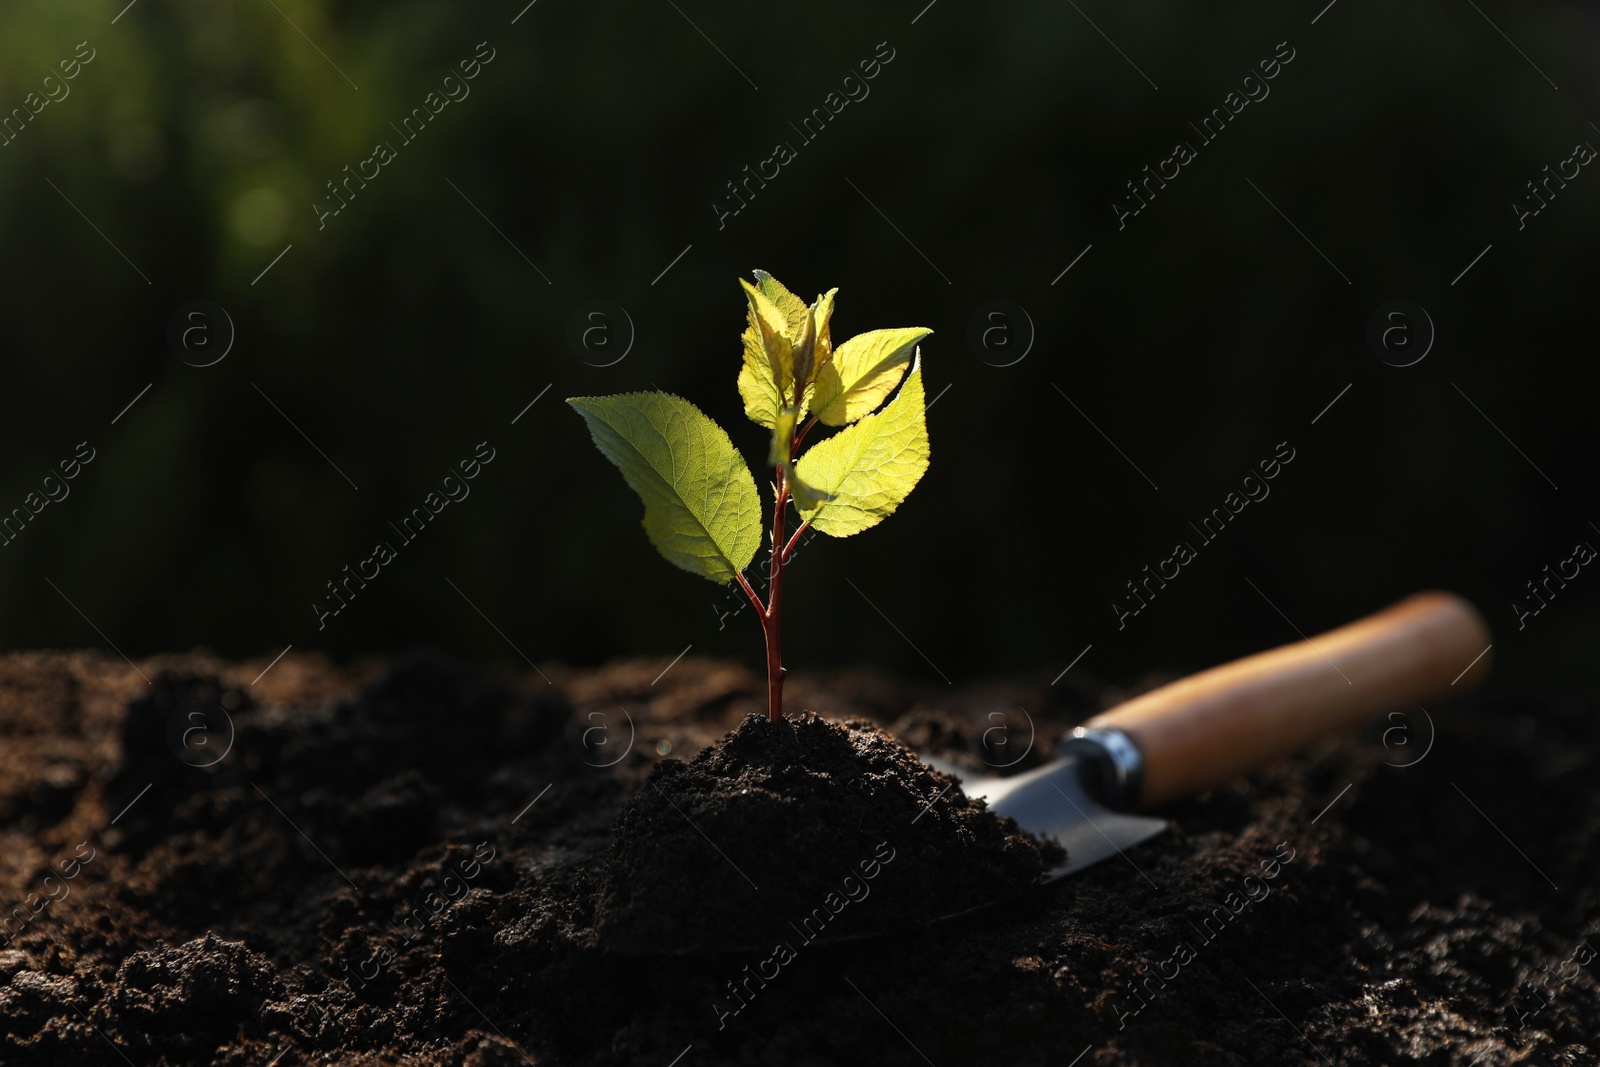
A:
{"points": [[824, 816], [412, 862]]}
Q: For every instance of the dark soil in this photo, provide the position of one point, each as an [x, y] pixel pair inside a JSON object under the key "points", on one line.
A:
{"points": [[824, 816], [411, 865]]}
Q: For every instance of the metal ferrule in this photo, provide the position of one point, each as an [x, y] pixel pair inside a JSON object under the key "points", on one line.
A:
{"points": [[1113, 762]]}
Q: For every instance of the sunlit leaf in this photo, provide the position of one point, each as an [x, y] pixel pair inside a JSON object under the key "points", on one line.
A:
{"points": [[805, 352], [822, 311], [863, 472], [817, 349], [861, 373], [790, 306], [701, 510], [781, 456], [767, 377], [806, 496], [756, 386]]}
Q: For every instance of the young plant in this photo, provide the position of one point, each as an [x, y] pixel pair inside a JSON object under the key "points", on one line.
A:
{"points": [[701, 510]]}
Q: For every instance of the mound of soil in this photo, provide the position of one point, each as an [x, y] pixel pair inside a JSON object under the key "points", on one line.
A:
{"points": [[840, 831], [410, 863]]}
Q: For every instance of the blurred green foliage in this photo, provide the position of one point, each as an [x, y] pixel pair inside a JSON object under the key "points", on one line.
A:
{"points": [[596, 143]]}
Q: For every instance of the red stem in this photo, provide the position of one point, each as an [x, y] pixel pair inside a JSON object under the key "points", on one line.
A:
{"points": [[801, 436], [788, 549], [771, 617], [749, 592]]}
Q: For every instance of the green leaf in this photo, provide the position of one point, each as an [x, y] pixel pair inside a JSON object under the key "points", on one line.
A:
{"points": [[781, 456], [823, 311], [806, 497], [861, 373], [805, 354], [700, 505], [783, 437], [772, 329], [814, 347], [768, 371], [785, 342], [792, 307], [759, 392], [863, 472]]}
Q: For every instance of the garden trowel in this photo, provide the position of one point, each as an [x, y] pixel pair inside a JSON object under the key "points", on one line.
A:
{"points": [[1210, 728]]}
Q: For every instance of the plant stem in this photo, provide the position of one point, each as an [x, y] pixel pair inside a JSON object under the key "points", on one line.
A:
{"points": [[772, 616], [788, 549], [801, 436], [751, 593]]}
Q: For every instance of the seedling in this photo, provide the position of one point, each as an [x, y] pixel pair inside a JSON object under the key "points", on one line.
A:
{"points": [[701, 510]]}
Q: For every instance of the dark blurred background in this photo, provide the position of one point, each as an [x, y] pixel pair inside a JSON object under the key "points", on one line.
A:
{"points": [[381, 349]]}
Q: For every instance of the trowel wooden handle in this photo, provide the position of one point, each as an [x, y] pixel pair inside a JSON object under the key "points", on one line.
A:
{"points": [[1210, 728]]}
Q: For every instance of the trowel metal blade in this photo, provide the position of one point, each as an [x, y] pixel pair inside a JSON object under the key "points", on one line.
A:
{"points": [[1053, 801]]}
